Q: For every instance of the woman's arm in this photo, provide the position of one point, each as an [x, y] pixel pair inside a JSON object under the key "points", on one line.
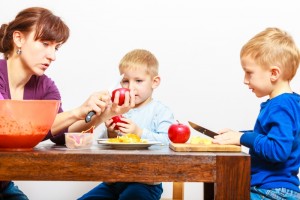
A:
{"points": [[74, 119]]}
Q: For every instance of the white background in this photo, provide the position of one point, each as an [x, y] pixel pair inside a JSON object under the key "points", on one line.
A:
{"points": [[196, 42]]}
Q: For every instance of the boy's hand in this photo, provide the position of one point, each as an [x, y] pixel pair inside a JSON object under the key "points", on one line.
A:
{"points": [[110, 126], [114, 109], [129, 127], [129, 103], [228, 136]]}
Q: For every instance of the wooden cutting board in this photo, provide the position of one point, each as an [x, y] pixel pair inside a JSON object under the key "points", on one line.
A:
{"points": [[204, 147]]}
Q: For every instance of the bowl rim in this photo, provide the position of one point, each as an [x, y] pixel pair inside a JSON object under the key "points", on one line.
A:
{"points": [[33, 100], [77, 133]]}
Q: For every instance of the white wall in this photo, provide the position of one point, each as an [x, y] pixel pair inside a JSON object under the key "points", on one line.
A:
{"points": [[196, 42]]}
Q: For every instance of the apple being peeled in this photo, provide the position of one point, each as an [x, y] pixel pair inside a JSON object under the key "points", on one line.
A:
{"points": [[179, 133], [117, 119], [122, 92]]}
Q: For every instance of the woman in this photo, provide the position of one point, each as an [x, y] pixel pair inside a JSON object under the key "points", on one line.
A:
{"points": [[29, 44]]}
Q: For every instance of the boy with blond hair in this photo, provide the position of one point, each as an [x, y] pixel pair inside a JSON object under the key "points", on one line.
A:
{"points": [[270, 61], [149, 119]]}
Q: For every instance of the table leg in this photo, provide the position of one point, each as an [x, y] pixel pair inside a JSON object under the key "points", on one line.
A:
{"points": [[208, 191], [232, 178]]}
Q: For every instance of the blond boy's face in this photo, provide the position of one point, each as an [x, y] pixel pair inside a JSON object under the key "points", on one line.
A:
{"points": [[142, 83], [257, 78]]}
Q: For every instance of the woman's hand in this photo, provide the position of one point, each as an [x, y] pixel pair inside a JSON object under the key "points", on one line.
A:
{"points": [[228, 136], [97, 102], [75, 119]]}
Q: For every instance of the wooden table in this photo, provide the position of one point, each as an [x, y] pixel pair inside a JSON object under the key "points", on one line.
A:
{"points": [[225, 175]]}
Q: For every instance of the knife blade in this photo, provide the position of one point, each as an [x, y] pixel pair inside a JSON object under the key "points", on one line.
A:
{"points": [[90, 114], [203, 130]]}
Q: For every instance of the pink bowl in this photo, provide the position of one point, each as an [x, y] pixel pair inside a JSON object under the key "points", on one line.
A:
{"points": [[25, 123], [79, 140]]}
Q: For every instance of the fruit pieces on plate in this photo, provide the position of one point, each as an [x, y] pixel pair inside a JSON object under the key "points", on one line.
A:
{"points": [[127, 138], [200, 140]]}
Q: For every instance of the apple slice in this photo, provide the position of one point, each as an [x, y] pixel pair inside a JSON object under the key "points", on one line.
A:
{"points": [[90, 130]]}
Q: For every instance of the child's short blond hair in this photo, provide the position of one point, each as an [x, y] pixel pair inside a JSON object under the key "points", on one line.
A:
{"points": [[135, 58], [273, 47]]}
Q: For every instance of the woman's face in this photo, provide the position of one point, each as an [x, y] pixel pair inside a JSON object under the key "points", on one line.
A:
{"points": [[37, 55]]}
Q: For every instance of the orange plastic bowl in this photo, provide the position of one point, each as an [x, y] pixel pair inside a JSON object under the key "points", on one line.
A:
{"points": [[25, 123]]}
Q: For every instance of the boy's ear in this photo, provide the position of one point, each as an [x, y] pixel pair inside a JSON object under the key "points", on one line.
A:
{"points": [[155, 82], [275, 73]]}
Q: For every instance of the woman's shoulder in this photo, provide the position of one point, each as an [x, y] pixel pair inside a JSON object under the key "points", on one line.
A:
{"points": [[3, 66], [2, 62], [4, 86], [42, 80], [44, 88]]}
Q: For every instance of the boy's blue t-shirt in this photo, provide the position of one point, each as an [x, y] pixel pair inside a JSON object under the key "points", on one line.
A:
{"points": [[275, 143]]}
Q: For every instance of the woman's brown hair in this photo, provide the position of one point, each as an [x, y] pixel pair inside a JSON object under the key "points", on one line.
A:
{"points": [[47, 27]]}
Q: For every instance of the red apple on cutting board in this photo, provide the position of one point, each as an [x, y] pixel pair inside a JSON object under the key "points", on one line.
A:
{"points": [[179, 133], [117, 119], [122, 92]]}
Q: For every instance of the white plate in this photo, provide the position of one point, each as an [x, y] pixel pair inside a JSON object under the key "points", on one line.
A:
{"points": [[121, 145], [102, 139]]}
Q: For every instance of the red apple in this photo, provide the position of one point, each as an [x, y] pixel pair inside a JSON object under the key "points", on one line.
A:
{"points": [[117, 119], [122, 95], [179, 133]]}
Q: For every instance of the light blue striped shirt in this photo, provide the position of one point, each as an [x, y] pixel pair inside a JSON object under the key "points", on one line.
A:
{"points": [[154, 118]]}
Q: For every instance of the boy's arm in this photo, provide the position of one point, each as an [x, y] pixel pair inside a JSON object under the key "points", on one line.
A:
{"points": [[275, 140]]}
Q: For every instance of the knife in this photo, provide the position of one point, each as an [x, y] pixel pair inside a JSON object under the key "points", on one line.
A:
{"points": [[89, 116], [203, 130]]}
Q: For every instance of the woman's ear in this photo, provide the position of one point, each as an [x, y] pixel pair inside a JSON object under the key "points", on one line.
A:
{"points": [[275, 73], [18, 38], [155, 82]]}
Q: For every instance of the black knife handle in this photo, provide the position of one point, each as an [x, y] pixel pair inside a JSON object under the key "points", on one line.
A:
{"points": [[89, 116]]}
